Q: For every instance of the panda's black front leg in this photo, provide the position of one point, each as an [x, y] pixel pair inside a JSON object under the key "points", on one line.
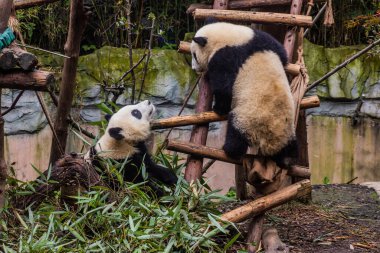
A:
{"points": [[161, 173], [222, 104], [236, 144]]}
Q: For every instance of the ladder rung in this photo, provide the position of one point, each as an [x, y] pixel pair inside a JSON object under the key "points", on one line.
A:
{"points": [[254, 17]]}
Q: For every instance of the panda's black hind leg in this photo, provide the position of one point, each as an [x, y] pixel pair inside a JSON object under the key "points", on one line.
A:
{"points": [[236, 144], [287, 155]]}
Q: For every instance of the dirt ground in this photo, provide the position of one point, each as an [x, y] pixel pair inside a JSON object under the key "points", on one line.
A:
{"points": [[340, 218]]}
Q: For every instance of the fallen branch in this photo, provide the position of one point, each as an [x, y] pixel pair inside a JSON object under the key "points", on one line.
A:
{"points": [[253, 17], [36, 80], [208, 117], [263, 204], [343, 64]]}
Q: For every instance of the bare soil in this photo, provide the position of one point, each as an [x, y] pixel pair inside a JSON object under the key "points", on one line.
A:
{"points": [[340, 218]]}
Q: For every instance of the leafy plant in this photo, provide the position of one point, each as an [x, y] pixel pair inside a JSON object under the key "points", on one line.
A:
{"points": [[128, 220]]}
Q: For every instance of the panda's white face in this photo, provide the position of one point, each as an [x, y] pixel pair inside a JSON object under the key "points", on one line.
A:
{"points": [[131, 123]]}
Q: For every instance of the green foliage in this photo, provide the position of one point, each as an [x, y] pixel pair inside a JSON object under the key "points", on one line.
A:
{"points": [[129, 220], [356, 22], [46, 26], [326, 180]]}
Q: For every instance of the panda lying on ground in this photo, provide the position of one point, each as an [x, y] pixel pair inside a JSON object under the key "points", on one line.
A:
{"points": [[245, 69], [124, 138]]}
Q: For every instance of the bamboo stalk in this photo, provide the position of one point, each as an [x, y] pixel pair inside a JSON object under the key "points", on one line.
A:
{"points": [[208, 117], [293, 69], [268, 202], [253, 17]]}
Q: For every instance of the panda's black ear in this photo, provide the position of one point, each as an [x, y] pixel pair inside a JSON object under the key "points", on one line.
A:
{"points": [[202, 41], [108, 117]]}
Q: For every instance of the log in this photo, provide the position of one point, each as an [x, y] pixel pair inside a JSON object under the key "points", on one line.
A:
{"points": [[208, 117], [77, 24], [255, 231], [36, 80], [218, 154], [196, 119], [245, 4], [200, 151], [23, 4], [199, 134], [254, 17], [268, 202], [272, 243], [27, 61], [292, 69], [7, 60]]}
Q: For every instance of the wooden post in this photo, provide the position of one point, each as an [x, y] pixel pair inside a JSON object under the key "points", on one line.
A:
{"points": [[290, 37], [199, 134], [5, 12], [301, 131], [78, 20]]}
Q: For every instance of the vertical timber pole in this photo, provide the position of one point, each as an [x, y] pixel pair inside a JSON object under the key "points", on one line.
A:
{"points": [[199, 133], [5, 12], [301, 132], [78, 20]]}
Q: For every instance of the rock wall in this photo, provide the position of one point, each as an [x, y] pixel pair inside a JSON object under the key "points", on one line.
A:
{"points": [[343, 132]]}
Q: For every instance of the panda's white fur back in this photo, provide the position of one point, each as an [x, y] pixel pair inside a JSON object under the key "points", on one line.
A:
{"points": [[271, 123]]}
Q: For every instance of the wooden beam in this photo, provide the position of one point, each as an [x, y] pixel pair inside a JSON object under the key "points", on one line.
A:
{"points": [[293, 69], [244, 4], [218, 154], [208, 117], [23, 4], [263, 204], [36, 80], [77, 24], [254, 17]]}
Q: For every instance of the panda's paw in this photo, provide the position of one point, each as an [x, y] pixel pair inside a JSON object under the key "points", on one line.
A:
{"points": [[235, 150], [220, 109], [171, 179]]}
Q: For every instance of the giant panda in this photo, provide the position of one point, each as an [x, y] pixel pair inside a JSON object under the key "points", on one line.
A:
{"points": [[245, 69], [124, 138]]}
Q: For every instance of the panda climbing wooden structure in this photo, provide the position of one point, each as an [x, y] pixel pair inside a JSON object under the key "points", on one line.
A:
{"points": [[245, 69], [124, 138]]}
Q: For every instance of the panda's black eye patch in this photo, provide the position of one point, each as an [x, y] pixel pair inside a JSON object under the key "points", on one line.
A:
{"points": [[137, 114], [115, 133]]}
